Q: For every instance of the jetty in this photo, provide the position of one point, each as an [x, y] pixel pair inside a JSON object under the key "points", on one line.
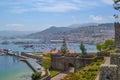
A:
{"points": [[12, 53], [30, 61]]}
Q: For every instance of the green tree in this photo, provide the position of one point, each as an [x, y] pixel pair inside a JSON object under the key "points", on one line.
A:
{"points": [[98, 47], [82, 48], [117, 4], [64, 47], [46, 62], [108, 44], [36, 76]]}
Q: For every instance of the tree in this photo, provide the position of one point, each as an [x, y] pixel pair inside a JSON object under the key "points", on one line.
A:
{"points": [[36, 75], [98, 47], [46, 62], [82, 48], [117, 4], [108, 43], [64, 47]]}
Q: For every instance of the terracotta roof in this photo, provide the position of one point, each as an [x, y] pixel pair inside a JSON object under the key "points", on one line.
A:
{"points": [[58, 51]]}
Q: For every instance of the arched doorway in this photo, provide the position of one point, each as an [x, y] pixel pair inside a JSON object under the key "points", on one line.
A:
{"points": [[71, 67]]}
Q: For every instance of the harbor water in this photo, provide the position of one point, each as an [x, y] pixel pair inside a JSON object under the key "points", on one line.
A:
{"points": [[13, 69]]}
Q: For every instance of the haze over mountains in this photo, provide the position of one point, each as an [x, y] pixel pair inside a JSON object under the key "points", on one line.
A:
{"points": [[89, 33], [7, 33]]}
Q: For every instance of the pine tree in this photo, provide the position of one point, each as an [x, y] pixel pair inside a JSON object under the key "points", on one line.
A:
{"points": [[64, 47], [82, 48]]}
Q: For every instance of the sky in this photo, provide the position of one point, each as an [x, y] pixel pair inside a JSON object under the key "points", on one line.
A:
{"points": [[37, 15]]}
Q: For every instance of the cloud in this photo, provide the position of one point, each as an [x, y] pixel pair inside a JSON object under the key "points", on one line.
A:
{"points": [[21, 6], [101, 19], [96, 18], [109, 2], [57, 7], [14, 26]]}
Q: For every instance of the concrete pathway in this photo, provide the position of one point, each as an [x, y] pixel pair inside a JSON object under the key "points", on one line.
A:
{"points": [[59, 76], [63, 74], [107, 61]]}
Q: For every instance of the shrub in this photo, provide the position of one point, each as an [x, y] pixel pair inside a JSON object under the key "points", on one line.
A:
{"points": [[36, 75]]}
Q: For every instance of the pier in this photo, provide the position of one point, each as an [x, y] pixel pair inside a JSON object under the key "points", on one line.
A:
{"points": [[32, 63], [12, 53]]}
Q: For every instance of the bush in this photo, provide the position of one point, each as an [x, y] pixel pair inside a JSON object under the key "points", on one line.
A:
{"points": [[36, 75]]}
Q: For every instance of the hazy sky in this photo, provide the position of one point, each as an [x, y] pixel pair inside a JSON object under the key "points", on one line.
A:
{"points": [[40, 14]]}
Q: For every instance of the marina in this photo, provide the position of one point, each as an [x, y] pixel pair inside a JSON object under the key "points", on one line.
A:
{"points": [[20, 70]]}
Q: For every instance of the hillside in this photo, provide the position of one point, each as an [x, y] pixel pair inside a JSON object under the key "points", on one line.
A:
{"points": [[89, 34]]}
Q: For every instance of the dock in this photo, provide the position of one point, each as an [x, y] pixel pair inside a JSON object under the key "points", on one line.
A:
{"points": [[32, 63]]}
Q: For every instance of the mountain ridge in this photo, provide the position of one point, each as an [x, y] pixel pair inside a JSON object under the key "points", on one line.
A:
{"points": [[89, 33]]}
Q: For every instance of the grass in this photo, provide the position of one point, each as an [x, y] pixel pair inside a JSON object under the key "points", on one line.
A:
{"points": [[111, 51], [54, 72], [89, 72], [37, 54]]}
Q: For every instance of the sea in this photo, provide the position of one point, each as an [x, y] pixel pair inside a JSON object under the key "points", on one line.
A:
{"points": [[13, 69]]}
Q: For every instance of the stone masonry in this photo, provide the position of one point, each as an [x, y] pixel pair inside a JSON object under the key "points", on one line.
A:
{"points": [[63, 63], [111, 71], [108, 72], [117, 35]]}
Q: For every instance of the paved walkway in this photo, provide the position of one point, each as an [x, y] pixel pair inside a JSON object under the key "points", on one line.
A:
{"points": [[59, 76], [107, 61], [62, 75]]}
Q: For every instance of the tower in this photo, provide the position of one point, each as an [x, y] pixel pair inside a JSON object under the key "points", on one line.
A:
{"points": [[117, 37]]}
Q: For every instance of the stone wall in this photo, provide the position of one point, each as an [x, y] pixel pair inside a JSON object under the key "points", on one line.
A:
{"points": [[117, 35], [111, 71], [115, 59], [103, 53], [64, 62], [108, 72]]}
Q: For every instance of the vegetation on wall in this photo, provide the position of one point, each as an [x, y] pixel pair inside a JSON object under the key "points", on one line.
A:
{"points": [[89, 72]]}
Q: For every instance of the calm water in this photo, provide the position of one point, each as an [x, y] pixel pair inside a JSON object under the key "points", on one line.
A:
{"points": [[45, 47], [13, 69]]}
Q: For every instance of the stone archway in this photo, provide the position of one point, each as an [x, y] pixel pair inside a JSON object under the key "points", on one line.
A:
{"points": [[71, 67], [68, 67]]}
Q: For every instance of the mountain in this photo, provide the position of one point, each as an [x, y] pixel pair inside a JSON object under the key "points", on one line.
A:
{"points": [[88, 33], [52, 30]]}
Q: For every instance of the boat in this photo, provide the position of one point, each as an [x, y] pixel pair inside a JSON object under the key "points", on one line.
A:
{"points": [[5, 42], [2, 54]]}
